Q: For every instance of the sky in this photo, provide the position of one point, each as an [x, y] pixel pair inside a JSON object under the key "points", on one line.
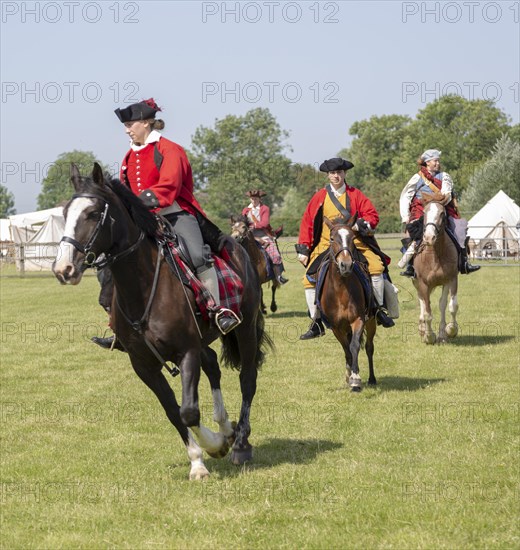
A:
{"points": [[318, 66]]}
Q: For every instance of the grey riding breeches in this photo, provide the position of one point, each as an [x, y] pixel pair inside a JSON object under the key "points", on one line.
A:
{"points": [[186, 225]]}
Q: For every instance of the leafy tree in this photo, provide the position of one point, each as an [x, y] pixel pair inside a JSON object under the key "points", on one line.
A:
{"points": [[377, 142], [500, 172], [464, 130], [307, 180], [56, 186], [240, 153], [6, 202]]}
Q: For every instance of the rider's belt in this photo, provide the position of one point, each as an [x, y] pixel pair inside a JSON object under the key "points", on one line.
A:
{"points": [[172, 209]]}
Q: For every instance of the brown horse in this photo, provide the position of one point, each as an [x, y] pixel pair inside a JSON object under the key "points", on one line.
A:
{"points": [[436, 264], [242, 232], [154, 313], [343, 302]]}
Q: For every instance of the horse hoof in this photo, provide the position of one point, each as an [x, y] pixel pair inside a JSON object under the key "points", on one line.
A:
{"points": [[199, 473], [354, 382], [274, 308], [430, 338], [264, 311], [241, 456], [452, 330]]}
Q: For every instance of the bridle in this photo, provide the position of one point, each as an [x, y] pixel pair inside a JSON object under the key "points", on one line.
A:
{"points": [[436, 227], [335, 254], [91, 260], [241, 236]]}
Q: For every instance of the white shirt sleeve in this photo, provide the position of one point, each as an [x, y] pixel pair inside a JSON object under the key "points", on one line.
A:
{"points": [[447, 184], [406, 197]]}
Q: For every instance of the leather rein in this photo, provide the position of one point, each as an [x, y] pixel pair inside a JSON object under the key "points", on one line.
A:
{"points": [[91, 261]]}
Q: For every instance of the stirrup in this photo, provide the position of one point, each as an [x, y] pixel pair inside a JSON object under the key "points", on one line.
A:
{"points": [[227, 313]]}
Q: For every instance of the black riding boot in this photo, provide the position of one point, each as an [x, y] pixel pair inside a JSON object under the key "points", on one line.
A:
{"points": [[464, 266], [316, 329], [107, 343], [382, 317], [277, 268], [409, 271]]}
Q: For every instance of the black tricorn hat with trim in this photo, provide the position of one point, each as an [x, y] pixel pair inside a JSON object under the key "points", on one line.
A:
{"points": [[336, 164], [256, 193], [144, 110]]}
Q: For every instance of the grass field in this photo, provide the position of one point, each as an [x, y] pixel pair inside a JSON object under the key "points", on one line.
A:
{"points": [[428, 459]]}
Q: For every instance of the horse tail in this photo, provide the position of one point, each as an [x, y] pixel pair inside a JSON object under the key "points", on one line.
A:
{"points": [[230, 355]]}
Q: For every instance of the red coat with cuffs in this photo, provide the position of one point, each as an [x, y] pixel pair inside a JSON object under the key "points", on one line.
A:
{"points": [[263, 221], [312, 221], [159, 189]]}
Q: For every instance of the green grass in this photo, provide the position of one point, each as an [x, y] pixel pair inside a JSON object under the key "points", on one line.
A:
{"points": [[428, 459]]}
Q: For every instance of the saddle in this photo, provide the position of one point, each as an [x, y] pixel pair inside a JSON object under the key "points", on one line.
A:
{"points": [[178, 258]]}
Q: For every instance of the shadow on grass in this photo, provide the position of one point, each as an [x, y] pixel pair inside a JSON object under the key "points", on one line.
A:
{"points": [[275, 451], [401, 383], [285, 314], [484, 340]]}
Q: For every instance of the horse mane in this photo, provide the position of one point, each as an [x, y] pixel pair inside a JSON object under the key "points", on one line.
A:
{"points": [[138, 211], [434, 197]]}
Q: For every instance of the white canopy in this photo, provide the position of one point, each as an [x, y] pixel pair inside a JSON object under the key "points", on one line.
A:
{"points": [[495, 229], [39, 233]]}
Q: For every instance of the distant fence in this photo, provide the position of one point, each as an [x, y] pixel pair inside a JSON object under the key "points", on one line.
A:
{"points": [[493, 251]]}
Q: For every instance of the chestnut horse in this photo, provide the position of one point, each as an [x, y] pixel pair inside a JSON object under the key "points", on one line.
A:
{"points": [[436, 264], [153, 313], [242, 232], [344, 304]]}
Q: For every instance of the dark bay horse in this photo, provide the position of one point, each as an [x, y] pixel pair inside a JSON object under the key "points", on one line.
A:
{"points": [[242, 232], [343, 302], [436, 264], [153, 313]]}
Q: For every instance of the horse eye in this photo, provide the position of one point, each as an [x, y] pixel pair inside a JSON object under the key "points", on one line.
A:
{"points": [[94, 215]]}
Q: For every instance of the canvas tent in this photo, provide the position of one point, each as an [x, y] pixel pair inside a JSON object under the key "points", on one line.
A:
{"points": [[36, 235], [495, 229]]}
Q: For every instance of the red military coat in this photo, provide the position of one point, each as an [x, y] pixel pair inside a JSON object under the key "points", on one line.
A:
{"points": [[160, 188], [312, 221], [264, 216]]}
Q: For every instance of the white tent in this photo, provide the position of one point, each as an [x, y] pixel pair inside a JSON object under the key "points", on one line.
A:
{"points": [[37, 235], [495, 229], [5, 234]]}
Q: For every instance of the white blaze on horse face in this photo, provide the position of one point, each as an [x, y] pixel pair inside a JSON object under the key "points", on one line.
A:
{"points": [[66, 250], [343, 233], [431, 222]]}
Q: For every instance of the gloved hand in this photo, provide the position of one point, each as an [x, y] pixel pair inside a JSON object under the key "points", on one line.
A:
{"points": [[303, 259], [363, 227]]}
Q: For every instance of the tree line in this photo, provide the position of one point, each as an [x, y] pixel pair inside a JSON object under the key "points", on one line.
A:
{"points": [[480, 149]]}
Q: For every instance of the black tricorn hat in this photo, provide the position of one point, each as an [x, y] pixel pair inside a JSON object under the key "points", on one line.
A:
{"points": [[256, 193], [144, 110], [336, 164]]}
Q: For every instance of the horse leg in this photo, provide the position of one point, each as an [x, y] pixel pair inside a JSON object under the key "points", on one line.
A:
{"points": [[443, 302], [156, 381], [250, 358], [211, 369], [355, 343], [370, 332], [452, 328], [263, 309], [213, 443], [425, 318], [274, 307]]}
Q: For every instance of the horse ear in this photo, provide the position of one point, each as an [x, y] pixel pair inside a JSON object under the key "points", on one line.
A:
{"points": [[75, 177], [232, 219], [97, 174], [328, 223], [352, 220]]}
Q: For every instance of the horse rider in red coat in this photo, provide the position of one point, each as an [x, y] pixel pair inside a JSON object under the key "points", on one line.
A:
{"points": [[258, 215], [314, 238], [429, 180], [157, 170]]}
